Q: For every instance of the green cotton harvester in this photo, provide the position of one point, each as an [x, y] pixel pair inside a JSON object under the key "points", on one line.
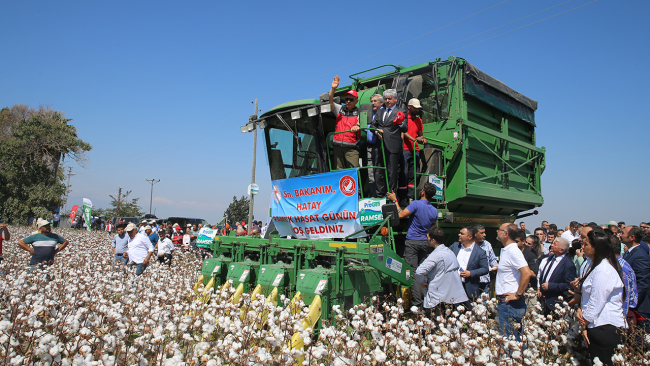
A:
{"points": [[480, 153]]}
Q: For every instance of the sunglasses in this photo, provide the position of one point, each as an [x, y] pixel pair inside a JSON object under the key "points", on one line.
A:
{"points": [[349, 100]]}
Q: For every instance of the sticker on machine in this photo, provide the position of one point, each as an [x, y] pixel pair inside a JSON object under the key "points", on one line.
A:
{"points": [[408, 274], [320, 287], [277, 280], [394, 265], [216, 270], [243, 276], [263, 269]]}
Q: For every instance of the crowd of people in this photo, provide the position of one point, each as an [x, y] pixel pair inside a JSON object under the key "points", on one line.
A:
{"points": [[603, 270], [400, 131]]}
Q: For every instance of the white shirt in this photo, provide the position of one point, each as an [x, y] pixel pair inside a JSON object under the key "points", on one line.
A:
{"points": [[570, 237], [186, 240], [543, 267], [602, 297], [463, 257], [165, 246], [139, 248], [388, 110], [511, 261]]}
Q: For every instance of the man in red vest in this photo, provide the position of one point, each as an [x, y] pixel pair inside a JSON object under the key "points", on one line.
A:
{"points": [[411, 155], [346, 154]]}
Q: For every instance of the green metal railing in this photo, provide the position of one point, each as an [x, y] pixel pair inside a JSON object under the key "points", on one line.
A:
{"points": [[330, 137]]}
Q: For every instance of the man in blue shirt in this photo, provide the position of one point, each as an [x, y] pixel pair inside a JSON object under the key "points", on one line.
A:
{"points": [[153, 236], [43, 245], [421, 215]]}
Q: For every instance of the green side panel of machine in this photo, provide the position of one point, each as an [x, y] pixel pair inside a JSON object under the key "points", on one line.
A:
{"points": [[243, 272], [278, 275], [217, 268]]}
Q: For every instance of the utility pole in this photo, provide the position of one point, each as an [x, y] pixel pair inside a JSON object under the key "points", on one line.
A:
{"points": [[152, 181], [67, 189], [119, 199], [252, 196]]}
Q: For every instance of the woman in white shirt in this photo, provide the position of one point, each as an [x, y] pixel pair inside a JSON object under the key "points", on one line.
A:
{"points": [[601, 306]]}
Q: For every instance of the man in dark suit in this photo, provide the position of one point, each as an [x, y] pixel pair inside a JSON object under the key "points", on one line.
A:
{"points": [[391, 121], [473, 262], [555, 274], [639, 260]]}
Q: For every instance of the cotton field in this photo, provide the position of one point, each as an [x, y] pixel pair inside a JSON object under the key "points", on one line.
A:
{"points": [[83, 310]]}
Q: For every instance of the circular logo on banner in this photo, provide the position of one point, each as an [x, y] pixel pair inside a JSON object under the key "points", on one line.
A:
{"points": [[276, 194], [348, 186]]}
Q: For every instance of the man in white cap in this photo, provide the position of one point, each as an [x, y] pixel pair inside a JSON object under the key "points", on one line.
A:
{"points": [[140, 249], [411, 155], [143, 223], [43, 244]]}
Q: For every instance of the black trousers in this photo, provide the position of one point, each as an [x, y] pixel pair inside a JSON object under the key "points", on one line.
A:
{"points": [[166, 259], [415, 252], [407, 174], [438, 310], [392, 166], [603, 341]]}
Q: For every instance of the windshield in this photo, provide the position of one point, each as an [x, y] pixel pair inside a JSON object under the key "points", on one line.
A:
{"points": [[294, 147]]}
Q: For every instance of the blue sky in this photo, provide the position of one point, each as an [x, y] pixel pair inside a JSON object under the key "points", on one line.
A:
{"points": [[161, 88]]}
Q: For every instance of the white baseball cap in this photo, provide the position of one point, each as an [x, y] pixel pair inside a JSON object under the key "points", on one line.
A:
{"points": [[414, 102]]}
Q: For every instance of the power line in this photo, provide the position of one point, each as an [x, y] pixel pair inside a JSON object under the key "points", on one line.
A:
{"points": [[516, 29], [488, 31]]}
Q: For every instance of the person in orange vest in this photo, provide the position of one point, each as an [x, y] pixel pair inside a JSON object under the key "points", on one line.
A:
{"points": [[346, 153]]}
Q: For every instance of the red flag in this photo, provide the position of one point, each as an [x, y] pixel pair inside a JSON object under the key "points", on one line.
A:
{"points": [[73, 212]]}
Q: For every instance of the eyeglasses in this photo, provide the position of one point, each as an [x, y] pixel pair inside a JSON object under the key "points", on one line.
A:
{"points": [[349, 100]]}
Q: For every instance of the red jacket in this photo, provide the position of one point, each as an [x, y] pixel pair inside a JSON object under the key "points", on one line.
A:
{"points": [[415, 126], [345, 120]]}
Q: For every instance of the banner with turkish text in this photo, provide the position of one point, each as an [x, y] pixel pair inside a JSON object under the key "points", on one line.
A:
{"points": [[88, 210], [317, 206]]}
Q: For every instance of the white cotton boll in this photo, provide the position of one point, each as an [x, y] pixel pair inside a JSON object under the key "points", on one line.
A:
{"points": [[379, 355], [597, 362]]}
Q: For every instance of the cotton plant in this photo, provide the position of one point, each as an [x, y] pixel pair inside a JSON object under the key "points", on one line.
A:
{"points": [[84, 310]]}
